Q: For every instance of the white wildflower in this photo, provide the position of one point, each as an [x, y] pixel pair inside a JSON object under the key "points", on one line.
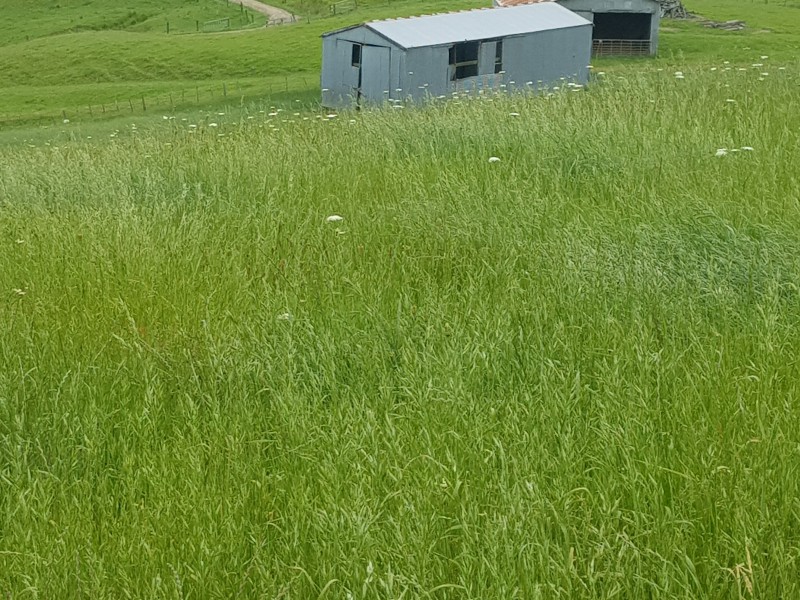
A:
{"points": [[212, 125], [334, 219], [493, 159], [285, 317], [747, 148], [721, 152]]}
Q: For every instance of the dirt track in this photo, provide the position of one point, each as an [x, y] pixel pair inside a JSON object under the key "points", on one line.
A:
{"points": [[273, 13]]}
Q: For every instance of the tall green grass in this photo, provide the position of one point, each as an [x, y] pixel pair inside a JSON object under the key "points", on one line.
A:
{"points": [[572, 373]]}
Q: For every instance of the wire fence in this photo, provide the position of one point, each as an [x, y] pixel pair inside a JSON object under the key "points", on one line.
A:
{"points": [[178, 100], [606, 47]]}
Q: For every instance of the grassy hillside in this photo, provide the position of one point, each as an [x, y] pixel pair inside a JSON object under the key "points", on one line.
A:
{"points": [[90, 69], [104, 67], [30, 19], [570, 373]]}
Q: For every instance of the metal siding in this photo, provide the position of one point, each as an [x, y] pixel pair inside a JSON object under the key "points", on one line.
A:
{"points": [[654, 24], [486, 58], [339, 77], [544, 58], [479, 24], [394, 72], [375, 72], [336, 85], [426, 72]]}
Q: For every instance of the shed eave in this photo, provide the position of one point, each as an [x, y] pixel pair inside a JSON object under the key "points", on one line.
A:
{"points": [[342, 30]]}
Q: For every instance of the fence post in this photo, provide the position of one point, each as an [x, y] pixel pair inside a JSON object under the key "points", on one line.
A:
{"points": [[167, 26], [144, 106], [130, 102], [197, 26]]}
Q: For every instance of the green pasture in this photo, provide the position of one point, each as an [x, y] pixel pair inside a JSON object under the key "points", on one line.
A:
{"points": [[568, 373], [498, 347], [60, 69]]}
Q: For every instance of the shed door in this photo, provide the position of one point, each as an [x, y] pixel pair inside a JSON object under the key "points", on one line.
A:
{"points": [[375, 61]]}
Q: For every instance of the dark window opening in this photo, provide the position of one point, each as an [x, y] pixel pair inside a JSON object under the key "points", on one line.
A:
{"points": [[355, 59], [498, 56], [464, 60], [621, 26]]}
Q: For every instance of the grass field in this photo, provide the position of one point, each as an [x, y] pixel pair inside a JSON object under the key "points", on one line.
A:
{"points": [[570, 373]]}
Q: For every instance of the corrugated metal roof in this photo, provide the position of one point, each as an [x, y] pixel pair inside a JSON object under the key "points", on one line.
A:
{"points": [[481, 24]]}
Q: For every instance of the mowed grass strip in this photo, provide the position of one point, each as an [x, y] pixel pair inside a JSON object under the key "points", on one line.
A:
{"points": [[571, 373]]}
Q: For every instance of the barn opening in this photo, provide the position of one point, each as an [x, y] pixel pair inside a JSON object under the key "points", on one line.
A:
{"points": [[464, 60], [621, 33]]}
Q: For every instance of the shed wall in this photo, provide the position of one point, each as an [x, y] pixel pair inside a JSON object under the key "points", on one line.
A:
{"points": [[543, 58], [339, 79], [427, 72]]}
